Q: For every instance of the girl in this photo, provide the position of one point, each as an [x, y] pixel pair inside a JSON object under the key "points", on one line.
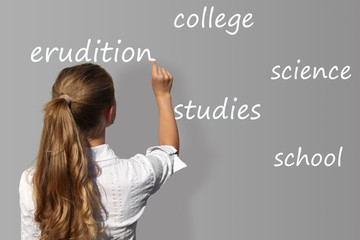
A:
{"points": [[79, 188]]}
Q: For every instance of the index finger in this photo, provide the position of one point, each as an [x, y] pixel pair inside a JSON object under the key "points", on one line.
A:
{"points": [[154, 67]]}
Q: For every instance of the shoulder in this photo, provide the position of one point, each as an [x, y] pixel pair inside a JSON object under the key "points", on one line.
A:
{"points": [[25, 190], [26, 178]]}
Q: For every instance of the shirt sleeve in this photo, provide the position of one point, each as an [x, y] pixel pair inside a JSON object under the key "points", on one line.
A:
{"points": [[162, 161], [29, 228]]}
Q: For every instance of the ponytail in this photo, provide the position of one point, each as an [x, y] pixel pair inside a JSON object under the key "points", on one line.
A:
{"points": [[67, 202]]}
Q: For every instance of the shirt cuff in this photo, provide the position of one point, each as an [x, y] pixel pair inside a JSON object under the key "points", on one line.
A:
{"points": [[178, 163]]}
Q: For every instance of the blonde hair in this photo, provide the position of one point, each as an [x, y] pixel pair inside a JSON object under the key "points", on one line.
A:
{"points": [[67, 202]]}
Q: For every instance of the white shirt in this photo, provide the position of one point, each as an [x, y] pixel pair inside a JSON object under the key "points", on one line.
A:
{"points": [[124, 185]]}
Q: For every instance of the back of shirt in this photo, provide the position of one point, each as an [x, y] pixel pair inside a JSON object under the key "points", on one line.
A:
{"points": [[124, 186]]}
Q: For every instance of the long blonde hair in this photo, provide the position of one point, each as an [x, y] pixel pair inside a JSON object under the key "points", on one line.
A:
{"points": [[67, 202]]}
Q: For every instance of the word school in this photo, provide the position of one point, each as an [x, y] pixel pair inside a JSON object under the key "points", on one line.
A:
{"points": [[90, 53], [293, 159]]}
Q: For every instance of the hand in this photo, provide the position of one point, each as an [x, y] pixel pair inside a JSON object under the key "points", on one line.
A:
{"points": [[161, 80]]}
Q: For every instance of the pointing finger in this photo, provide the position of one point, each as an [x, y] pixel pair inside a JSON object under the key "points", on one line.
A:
{"points": [[154, 68]]}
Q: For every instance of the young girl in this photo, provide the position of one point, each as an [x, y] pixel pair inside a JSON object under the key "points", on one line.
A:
{"points": [[79, 188]]}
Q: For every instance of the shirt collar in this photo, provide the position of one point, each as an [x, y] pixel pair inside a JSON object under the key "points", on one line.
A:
{"points": [[100, 152]]}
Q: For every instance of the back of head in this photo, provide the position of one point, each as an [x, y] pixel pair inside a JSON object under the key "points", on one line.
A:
{"points": [[66, 200], [90, 89]]}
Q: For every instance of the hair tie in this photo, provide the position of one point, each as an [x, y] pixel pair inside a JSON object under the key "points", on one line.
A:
{"points": [[68, 99]]}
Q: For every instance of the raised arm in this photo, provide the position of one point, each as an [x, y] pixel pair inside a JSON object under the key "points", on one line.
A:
{"points": [[161, 81]]}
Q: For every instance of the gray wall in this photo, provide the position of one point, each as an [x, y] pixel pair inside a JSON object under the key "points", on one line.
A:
{"points": [[231, 188]]}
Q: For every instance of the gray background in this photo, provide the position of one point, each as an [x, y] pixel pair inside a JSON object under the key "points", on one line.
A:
{"points": [[230, 189]]}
